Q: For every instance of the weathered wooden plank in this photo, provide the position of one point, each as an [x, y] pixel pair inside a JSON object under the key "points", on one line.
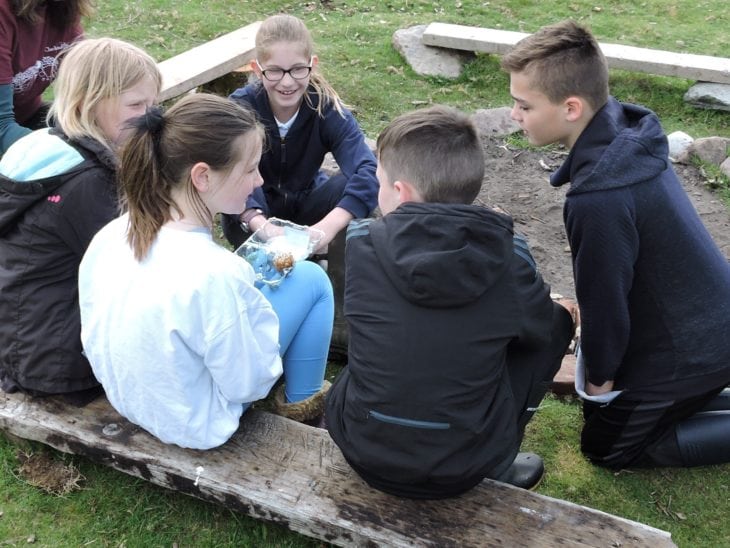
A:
{"points": [[704, 68], [208, 61], [288, 473]]}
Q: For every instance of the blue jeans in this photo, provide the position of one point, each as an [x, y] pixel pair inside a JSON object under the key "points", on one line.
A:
{"points": [[305, 306]]}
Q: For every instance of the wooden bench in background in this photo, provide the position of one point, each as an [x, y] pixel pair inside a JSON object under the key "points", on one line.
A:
{"points": [[704, 68], [281, 471], [211, 60]]}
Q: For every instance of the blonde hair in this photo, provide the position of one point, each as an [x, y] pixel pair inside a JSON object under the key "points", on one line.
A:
{"points": [[290, 29], [161, 151], [91, 71], [58, 14]]}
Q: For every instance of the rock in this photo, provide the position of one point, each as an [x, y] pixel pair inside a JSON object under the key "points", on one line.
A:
{"points": [[709, 95], [712, 150], [563, 383], [495, 122], [679, 141], [429, 60], [725, 168]]}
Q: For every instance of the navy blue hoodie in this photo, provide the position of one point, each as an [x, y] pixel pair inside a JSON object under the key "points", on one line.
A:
{"points": [[291, 165], [653, 287]]}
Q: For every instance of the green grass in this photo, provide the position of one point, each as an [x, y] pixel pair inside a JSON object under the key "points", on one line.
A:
{"points": [[354, 45]]}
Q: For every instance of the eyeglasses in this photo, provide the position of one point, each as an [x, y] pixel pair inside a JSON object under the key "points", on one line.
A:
{"points": [[276, 74]]}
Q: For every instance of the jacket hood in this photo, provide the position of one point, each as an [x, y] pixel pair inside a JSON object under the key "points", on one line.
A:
{"points": [[623, 145], [442, 255], [36, 165]]}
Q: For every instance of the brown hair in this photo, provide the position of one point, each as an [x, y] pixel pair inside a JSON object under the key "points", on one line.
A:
{"points": [[287, 28], [93, 70], [436, 149], [561, 60], [162, 149], [58, 14]]}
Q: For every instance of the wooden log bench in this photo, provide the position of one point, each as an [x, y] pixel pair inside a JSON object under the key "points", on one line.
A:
{"points": [[281, 471], [704, 68], [211, 60]]}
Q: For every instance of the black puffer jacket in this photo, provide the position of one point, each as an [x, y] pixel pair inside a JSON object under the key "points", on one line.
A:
{"points": [[435, 293], [55, 194]]}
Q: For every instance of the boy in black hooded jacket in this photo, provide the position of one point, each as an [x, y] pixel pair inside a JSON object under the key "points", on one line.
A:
{"points": [[453, 336]]}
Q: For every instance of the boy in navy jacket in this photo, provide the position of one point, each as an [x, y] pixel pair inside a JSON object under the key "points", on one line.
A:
{"points": [[652, 286]]}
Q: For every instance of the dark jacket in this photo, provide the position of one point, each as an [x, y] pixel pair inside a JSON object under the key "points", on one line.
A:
{"points": [[653, 288], [54, 196], [434, 295], [289, 166]]}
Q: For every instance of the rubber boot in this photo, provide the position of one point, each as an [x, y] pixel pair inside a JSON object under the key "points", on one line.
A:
{"points": [[704, 439], [525, 472], [721, 402], [309, 411]]}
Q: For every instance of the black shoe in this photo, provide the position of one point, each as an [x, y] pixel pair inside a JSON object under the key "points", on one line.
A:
{"points": [[525, 472]]}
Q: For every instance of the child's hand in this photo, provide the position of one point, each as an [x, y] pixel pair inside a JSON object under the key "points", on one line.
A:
{"points": [[594, 390]]}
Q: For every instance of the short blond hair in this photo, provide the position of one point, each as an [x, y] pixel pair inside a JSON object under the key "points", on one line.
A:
{"points": [[91, 71]]}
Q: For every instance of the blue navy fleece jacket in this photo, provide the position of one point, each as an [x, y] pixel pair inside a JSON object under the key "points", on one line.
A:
{"points": [[289, 166], [653, 287]]}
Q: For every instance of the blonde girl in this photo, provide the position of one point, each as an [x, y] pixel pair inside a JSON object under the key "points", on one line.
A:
{"points": [[173, 326], [57, 188], [304, 119]]}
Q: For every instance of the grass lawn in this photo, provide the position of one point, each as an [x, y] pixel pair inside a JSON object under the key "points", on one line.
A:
{"points": [[354, 45]]}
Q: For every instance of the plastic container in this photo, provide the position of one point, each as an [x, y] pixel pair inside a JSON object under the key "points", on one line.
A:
{"points": [[275, 248]]}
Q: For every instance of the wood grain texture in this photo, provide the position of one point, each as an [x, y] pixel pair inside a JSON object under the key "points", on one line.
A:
{"points": [[288, 473], [208, 61], [703, 68]]}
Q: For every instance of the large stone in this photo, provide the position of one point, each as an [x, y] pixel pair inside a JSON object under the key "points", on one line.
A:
{"points": [[709, 95], [725, 168], [712, 150], [495, 122], [428, 60]]}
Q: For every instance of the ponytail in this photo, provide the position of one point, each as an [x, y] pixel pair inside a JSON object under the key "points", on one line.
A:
{"points": [[163, 147]]}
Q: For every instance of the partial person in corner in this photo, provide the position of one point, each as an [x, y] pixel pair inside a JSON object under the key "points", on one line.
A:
{"points": [[652, 286], [454, 339], [34, 34]]}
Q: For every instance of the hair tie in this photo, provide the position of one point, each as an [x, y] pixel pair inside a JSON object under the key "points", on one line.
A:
{"points": [[154, 121]]}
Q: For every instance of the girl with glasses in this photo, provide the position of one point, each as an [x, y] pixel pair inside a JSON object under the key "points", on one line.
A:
{"points": [[304, 119]]}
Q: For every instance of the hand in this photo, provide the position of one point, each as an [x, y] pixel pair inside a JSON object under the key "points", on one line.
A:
{"points": [[256, 222], [593, 390], [331, 224]]}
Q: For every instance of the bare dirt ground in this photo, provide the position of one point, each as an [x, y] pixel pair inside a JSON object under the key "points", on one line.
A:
{"points": [[517, 181]]}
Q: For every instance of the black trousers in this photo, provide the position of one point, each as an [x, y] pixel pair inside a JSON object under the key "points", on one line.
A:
{"points": [[637, 429], [532, 371]]}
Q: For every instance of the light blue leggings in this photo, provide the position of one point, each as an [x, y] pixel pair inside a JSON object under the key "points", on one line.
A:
{"points": [[305, 306]]}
